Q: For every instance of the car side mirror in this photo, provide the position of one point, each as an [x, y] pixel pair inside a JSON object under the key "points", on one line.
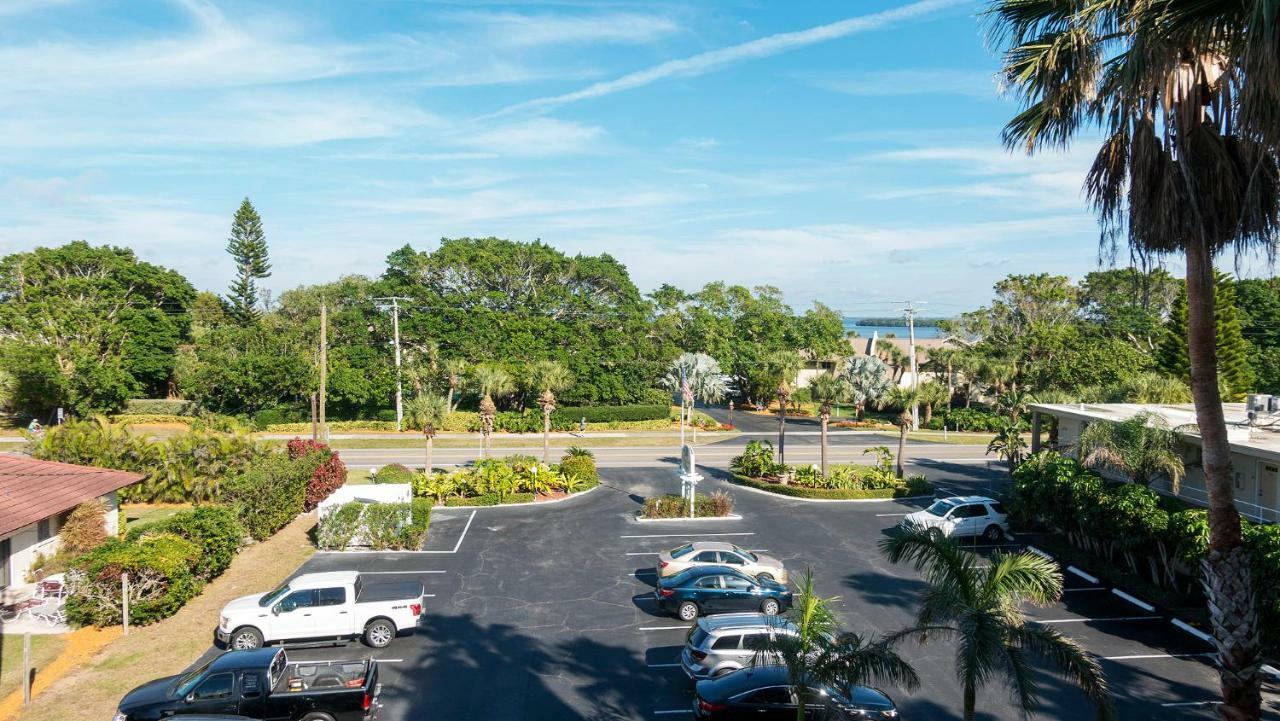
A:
{"points": [[275, 610], [191, 697]]}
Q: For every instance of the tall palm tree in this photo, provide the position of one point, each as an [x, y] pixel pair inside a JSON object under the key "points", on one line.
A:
{"points": [[426, 411], [819, 653], [455, 370], [868, 379], [547, 377], [827, 389], [492, 381], [1142, 448], [980, 606], [903, 398], [707, 382], [1185, 94], [783, 366]]}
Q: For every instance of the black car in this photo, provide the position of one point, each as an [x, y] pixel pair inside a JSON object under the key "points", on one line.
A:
{"points": [[719, 589], [261, 684], [765, 693]]}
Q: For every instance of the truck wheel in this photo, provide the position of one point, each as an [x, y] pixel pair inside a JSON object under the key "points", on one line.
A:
{"points": [[246, 638], [379, 633], [688, 611], [317, 716]]}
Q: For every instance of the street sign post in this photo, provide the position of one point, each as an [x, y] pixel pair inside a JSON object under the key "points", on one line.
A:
{"points": [[689, 476]]}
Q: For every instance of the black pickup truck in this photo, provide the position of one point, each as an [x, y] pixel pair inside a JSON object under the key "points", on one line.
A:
{"points": [[261, 684]]}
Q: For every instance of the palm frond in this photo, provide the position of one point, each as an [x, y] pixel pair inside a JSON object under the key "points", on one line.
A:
{"points": [[1072, 662], [1022, 577]]}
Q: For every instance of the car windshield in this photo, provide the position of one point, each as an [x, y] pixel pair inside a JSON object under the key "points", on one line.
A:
{"points": [[274, 596], [940, 508], [747, 554], [188, 682], [682, 551]]}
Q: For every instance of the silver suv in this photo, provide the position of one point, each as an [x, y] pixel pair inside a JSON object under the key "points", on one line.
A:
{"points": [[724, 643]]}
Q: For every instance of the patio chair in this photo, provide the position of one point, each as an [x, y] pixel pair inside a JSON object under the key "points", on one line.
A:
{"points": [[13, 611], [52, 612], [52, 587]]}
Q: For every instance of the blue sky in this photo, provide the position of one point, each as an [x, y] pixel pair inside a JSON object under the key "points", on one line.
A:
{"points": [[846, 152]]}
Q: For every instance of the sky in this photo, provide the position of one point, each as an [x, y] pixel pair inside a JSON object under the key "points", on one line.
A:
{"points": [[845, 152]]}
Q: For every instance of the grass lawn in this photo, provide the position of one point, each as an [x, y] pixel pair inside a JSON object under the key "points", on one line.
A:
{"points": [[358, 477], [165, 648], [141, 514], [44, 648], [962, 438]]}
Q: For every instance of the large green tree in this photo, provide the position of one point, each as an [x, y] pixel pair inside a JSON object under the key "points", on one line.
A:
{"points": [[1258, 301], [1235, 375], [244, 369], [248, 247], [87, 327]]}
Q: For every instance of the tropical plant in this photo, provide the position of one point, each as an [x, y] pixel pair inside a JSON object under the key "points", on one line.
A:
{"points": [[1014, 403], [868, 381], [932, 395], [826, 389], [818, 653], [904, 398], [492, 381], [575, 451], [755, 461], [884, 459], [1142, 447], [455, 370], [547, 377], [702, 373], [782, 367], [1186, 98], [248, 247], [436, 485], [980, 606], [426, 411], [1008, 443]]}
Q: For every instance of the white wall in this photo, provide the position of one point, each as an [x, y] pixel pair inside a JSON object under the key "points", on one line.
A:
{"points": [[24, 543]]}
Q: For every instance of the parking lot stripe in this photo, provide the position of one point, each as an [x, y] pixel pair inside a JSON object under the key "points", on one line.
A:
{"points": [[665, 628], [1082, 574], [1193, 630], [1192, 703], [645, 553], [1157, 655], [686, 535], [1135, 601], [396, 573], [1098, 620], [1091, 588]]}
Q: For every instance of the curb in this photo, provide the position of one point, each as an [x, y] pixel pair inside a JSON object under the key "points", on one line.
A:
{"points": [[730, 517]]}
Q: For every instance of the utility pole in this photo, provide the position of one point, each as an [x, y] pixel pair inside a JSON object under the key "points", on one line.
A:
{"points": [[324, 366], [915, 374], [395, 332]]}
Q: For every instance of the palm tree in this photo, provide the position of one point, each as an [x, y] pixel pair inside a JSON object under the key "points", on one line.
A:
{"points": [[819, 653], [548, 376], [1014, 403], [707, 382], [904, 398], [1009, 444], [933, 393], [782, 367], [492, 381], [826, 389], [1185, 95], [1142, 447], [455, 370], [425, 411], [980, 605], [868, 381]]}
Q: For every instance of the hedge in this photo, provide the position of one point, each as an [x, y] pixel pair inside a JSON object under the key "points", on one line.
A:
{"points": [[338, 527], [159, 407], [915, 486], [489, 499], [607, 414], [160, 574], [215, 530], [269, 494]]}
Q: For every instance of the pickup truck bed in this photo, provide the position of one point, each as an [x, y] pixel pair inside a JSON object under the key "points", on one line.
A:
{"points": [[388, 591]]}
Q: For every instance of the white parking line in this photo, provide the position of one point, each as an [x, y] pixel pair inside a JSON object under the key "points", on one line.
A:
{"points": [[396, 573], [686, 535], [1192, 703], [645, 553], [883, 515], [389, 660], [1158, 655], [1082, 574], [1091, 588], [1097, 620], [665, 628]]}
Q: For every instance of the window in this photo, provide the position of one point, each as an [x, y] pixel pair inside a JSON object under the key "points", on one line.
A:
{"points": [[999, 508], [43, 531], [708, 582], [755, 641], [705, 557], [815, 697], [298, 599], [971, 511], [332, 596], [939, 508], [770, 696], [216, 686], [274, 596], [681, 551], [731, 559], [726, 643], [737, 583]]}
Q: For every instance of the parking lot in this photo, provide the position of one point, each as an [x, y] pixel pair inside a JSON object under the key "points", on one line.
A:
{"points": [[544, 612]]}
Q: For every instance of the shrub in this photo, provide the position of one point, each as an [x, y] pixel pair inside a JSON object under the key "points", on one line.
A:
{"points": [[150, 418], [85, 529], [333, 426], [159, 407], [756, 460], [382, 524], [160, 581], [921, 487], [967, 419], [328, 474], [490, 499], [655, 397], [569, 416], [711, 505], [419, 519], [279, 415], [269, 494], [393, 473], [580, 466], [214, 530], [338, 527]]}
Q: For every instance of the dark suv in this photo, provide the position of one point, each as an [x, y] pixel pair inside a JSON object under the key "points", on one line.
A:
{"points": [[719, 589]]}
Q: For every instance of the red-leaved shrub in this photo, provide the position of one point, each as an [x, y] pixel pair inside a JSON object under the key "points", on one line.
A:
{"points": [[330, 472]]}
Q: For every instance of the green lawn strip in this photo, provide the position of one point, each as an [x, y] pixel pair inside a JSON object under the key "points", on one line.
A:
{"points": [[142, 514], [169, 646], [44, 648], [834, 494], [958, 438], [358, 477], [531, 442]]}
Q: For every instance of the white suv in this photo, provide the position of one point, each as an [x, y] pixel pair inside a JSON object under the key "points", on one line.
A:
{"points": [[962, 516]]}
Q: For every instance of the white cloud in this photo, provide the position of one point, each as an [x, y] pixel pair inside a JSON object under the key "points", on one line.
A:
{"points": [[523, 31], [939, 81], [703, 63], [535, 137]]}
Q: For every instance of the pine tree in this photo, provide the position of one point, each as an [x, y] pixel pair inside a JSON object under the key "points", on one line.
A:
{"points": [[248, 245], [1234, 373]]}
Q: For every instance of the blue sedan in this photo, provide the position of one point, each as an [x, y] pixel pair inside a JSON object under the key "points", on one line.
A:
{"points": [[705, 590]]}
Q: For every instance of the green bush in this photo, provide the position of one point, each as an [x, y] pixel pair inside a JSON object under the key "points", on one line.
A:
{"points": [[581, 467], [215, 530], [160, 575], [756, 460], [393, 473], [338, 527], [415, 533], [921, 487], [569, 416], [490, 499], [159, 407], [268, 417], [655, 397], [711, 505], [333, 426], [383, 525], [967, 419], [268, 494]]}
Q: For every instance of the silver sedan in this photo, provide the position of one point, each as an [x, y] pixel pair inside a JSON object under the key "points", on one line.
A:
{"points": [[712, 553]]}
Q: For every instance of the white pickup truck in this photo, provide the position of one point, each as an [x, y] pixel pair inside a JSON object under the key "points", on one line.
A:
{"points": [[322, 606]]}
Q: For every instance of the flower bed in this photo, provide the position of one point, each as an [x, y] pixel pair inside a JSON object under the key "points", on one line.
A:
{"points": [[914, 486], [756, 468], [717, 504], [514, 479]]}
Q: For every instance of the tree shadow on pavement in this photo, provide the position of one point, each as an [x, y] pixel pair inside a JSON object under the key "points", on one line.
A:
{"points": [[884, 590]]}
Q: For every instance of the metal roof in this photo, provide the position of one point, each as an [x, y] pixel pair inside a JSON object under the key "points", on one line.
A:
{"points": [[32, 490]]}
